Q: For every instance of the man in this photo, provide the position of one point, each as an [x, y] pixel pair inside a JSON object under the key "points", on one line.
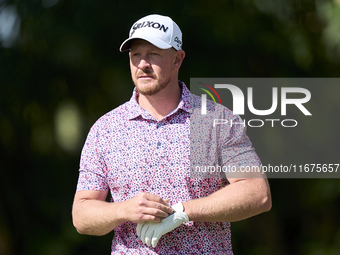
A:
{"points": [[140, 151]]}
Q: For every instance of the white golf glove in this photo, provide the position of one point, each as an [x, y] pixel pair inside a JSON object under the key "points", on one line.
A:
{"points": [[151, 232]]}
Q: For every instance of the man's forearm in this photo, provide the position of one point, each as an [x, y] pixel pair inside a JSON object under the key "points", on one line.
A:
{"points": [[94, 217], [237, 201]]}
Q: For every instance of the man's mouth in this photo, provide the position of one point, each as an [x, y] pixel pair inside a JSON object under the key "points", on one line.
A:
{"points": [[145, 76]]}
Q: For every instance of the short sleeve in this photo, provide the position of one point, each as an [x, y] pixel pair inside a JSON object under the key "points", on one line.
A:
{"points": [[218, 142], [236, 147], [92, 171]]}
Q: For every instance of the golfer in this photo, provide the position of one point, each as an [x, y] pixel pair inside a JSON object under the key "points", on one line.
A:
{"points": [[140, 153]]}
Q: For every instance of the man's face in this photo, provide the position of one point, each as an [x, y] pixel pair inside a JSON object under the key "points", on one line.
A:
{"points": [[151, 68]]}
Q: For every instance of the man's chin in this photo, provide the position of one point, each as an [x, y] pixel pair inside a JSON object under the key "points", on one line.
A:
{"points": [[147, 90]]}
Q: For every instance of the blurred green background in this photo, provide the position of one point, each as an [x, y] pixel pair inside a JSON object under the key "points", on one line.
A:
{"points": [[60, 70]]}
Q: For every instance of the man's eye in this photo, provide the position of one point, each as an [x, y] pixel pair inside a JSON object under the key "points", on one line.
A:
{"points": [[154, 53]]}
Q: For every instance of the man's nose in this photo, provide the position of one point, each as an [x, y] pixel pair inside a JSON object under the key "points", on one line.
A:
{"points": [[144, 63]]}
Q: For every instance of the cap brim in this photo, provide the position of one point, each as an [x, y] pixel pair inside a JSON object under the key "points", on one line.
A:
{"points": [[126, 45]]}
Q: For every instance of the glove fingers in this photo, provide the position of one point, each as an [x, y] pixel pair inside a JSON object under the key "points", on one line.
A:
{"points": [[139, 228], [143, 232], [154, 241], [156, 236], [150, 233], [148, 236]]}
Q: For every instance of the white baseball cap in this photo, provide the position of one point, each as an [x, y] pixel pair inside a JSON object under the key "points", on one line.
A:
{"points": [[159, 30]]}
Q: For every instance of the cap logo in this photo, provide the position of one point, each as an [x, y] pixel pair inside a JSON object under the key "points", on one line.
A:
{"points": [[152, 24], [178, 41]]}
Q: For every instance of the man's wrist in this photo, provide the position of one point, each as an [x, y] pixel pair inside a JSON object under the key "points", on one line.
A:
{"points": [[119, 212], [186, 208], [179, 209]]}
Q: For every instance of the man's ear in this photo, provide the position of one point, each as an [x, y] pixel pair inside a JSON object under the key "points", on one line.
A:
{"points": [[179, 56]]}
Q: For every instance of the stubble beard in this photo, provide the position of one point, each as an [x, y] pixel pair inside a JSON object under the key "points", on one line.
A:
{"points": [[152, 90]]}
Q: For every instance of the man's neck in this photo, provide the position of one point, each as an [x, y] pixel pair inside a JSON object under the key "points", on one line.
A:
{"points": [[162, 103]]}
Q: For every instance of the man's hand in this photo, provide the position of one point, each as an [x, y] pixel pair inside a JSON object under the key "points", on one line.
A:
{"points": [[145, 207], [151, 232]]}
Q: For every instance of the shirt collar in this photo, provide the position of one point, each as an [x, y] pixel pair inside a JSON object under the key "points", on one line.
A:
{"points": [[136, 110]]}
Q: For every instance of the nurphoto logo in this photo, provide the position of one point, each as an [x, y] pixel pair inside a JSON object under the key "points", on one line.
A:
{"points": [[280, 99]]}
